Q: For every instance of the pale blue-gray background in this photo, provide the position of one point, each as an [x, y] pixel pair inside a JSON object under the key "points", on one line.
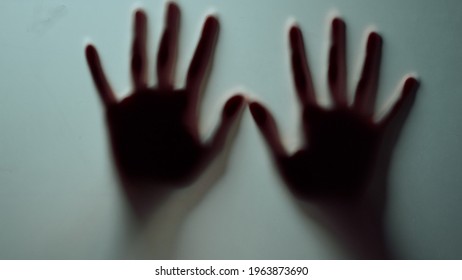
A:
{"points": [[58, 193]]}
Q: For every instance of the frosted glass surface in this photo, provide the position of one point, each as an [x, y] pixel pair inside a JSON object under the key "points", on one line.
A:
{"points": [[59, 197]]}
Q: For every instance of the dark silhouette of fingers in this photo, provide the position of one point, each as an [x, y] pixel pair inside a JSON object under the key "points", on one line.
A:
{"points": [[166, 57], [139, 56], [366, 93], [405, 101], [229, 116], [337, 63], [201, 60], [300, 69], [102, 85], [268, 128]]}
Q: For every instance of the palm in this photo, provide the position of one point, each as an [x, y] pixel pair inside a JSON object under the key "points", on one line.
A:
{"points": [[154, 131], [342, 143], [339, 151], [152, 138]]}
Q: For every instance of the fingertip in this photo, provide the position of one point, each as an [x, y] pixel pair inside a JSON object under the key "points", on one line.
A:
{"points": [[173, 8], [212, 23], [295, 33], [234, 105], [89, 48], [338, 24], [413, 80], [211, 27], [139, 28], [338, 21], [296, 41], [259, 113], [375, 36], [140, 16], [238, 97], [173, 14], [138, 12], [374, 40], [411, 85], [90, 52]]}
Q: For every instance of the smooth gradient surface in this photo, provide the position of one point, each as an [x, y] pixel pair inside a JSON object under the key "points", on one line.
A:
{"points": [[59, 196]]}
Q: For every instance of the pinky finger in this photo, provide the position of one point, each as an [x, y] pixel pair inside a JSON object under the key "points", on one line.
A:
{"points": [[99, 78]]}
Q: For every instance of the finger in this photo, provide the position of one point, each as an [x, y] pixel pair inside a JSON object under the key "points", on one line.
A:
{"points": [[201, 60], [337, 63], [366, 92], [301, 71], [229, 116], [139, 57], [102, 85], [405, 100], [168, 49], [268, 128]]}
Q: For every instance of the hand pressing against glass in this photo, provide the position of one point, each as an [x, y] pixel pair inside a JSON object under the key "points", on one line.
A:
{"points": [[341, 144], [154, 131]]}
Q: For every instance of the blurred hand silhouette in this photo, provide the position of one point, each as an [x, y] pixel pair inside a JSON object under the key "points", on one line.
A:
{"points": [[341, 143], [154, 131], [344, 148]]}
